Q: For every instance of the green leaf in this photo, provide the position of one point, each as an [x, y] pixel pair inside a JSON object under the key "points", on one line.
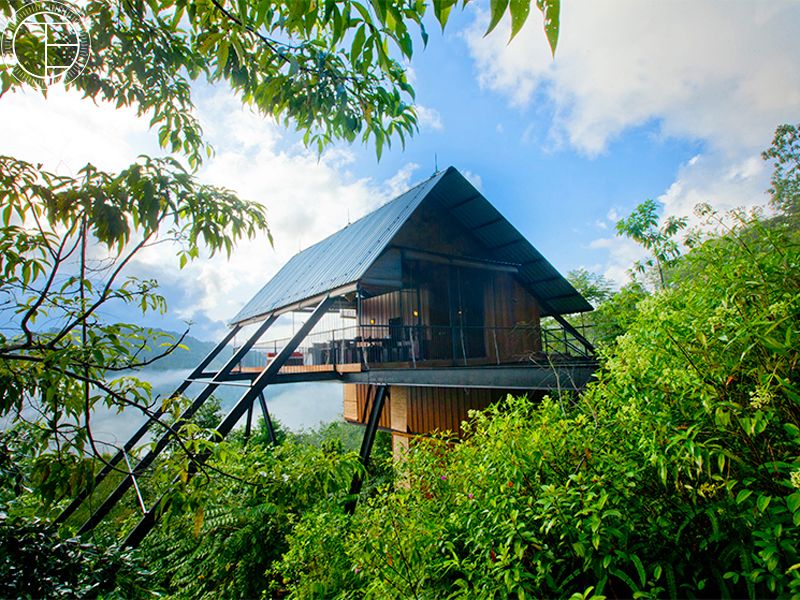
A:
{"points": [[358, 43], [551, 10], [793, 501], [520, 9], [441, 9], [199, 517], [498, 9], [639, 569]]}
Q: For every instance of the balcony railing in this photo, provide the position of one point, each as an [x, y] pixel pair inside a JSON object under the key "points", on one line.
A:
{"points": [[423, 345]]}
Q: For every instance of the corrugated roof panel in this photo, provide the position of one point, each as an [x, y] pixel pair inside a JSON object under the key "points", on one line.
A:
{"points": [[339, 259], [343, 258]]}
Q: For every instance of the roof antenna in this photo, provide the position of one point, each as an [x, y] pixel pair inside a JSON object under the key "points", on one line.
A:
{"points": [[348, 215], [435, 164]]}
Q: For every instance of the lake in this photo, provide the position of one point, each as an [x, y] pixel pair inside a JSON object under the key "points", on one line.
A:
{"points": [[297, 406]]}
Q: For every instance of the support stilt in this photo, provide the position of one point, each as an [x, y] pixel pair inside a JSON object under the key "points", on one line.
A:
{"points": [[149, 520], [162, 442], [366, 442], [248, 424], [267, 420]]}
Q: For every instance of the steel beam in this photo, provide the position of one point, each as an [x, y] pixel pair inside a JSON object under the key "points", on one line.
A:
{"points": [[266, 376], [162, 442], [366, 443], [527, 376], [569, 327], [140, 433], [267, 420]]}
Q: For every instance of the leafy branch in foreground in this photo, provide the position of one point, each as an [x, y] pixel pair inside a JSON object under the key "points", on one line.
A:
{"points": [[64, 245], [332, 69]]}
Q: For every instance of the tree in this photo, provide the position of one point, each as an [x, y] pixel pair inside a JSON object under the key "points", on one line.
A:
{"points": [[785, 154], [614, 310], [595, 288], [642, 226], [332, 69]]}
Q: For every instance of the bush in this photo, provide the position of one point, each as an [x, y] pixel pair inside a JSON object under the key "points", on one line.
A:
{"points": [[36, 563], [221, 536], [677, 474]]}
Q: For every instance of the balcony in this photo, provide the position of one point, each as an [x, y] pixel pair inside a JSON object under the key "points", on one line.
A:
{"points": [[359, 348]]}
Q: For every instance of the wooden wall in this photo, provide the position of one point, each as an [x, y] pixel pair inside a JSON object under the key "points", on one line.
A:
{"points": [[399, 303], [434, 230], [421, 410], [355, 400], [515, 315]]}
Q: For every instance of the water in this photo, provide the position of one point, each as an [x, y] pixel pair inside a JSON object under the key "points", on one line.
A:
{"points": [[297, 406]]}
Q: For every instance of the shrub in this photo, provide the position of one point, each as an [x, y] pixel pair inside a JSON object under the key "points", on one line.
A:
{"points": [[36, 563], [676, 474]]}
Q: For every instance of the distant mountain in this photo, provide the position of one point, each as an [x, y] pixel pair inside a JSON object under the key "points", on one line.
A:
{"points": [[180, 358]]}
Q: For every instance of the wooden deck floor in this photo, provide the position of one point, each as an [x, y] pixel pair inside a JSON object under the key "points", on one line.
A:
{"points": [[342, 368]]}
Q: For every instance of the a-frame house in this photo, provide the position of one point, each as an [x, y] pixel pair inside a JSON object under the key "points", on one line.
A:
{"points": [[428, 307]]}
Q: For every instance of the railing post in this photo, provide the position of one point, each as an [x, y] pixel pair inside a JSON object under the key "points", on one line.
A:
{"points": [[333, 350], [413, 350]]}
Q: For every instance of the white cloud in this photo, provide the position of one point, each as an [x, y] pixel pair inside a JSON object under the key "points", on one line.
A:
{"points": [[722, 73], [401, 181], [622, 253], [65, 131], [474, 179], [717, 181], [712, 70], [429, 118]]}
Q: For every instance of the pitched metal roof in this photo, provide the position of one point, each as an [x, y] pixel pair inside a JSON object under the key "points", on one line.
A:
{"points": [[342, 258]]}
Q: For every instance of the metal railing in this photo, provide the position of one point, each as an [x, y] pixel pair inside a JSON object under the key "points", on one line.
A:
{"points": [[426, 345]]}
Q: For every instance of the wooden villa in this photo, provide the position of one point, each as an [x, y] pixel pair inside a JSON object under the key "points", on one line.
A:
{"points": [[441, 300], [431, 305]]}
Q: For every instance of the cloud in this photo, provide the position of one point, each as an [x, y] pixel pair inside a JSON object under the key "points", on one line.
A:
{"points": [[712, 70], [473, 178], [65, 131], [429, 118], [401, 181], [721, 73]]}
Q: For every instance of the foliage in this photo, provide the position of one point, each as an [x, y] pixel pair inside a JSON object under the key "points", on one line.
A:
{"points": [[595, 288], [221, 536], [677, 474], [614, 317], [785, 154], [642, 226], [36, 563]]}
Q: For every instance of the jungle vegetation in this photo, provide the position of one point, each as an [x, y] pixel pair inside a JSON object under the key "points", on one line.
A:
{"points": [[675, 474]]}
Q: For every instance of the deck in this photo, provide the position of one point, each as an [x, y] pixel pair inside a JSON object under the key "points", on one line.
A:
{"points": [[566, 373]]}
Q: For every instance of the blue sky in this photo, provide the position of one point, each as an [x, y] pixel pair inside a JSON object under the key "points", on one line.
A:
{"points": [[670, 100]]}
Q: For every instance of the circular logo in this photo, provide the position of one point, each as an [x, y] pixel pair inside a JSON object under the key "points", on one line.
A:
{"points": [[46, 42]]}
